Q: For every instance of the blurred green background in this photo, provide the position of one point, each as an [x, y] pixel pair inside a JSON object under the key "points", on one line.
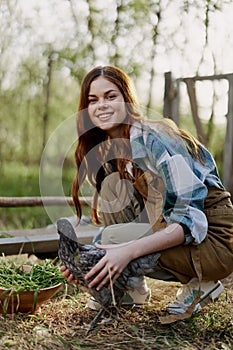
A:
{"points": [[46, 49]]}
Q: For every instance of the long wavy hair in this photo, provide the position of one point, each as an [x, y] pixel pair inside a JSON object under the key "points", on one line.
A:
{"points": [[95, 148]]}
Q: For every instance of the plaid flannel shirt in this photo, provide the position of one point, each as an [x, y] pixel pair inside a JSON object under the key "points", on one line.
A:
{"points": [[186, 179]]}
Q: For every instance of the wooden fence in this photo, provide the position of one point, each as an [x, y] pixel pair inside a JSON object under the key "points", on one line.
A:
{"points": [[13, 202], [171, 108], [42, 242]]}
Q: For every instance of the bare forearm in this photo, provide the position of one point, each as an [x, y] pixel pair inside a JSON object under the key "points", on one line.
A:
{"points": [[119, 255], [169, 237]]}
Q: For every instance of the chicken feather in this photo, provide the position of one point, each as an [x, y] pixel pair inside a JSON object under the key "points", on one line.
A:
{"points": [[80, 258]]}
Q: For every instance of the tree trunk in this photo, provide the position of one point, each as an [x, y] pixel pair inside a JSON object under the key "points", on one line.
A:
{"points": [[115, 57], [47, 87], [152, 58]]}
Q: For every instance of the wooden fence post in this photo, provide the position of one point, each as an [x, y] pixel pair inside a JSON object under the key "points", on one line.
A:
{"points": [[171, 109], [191, 89], [228, 147], [171, 98]]}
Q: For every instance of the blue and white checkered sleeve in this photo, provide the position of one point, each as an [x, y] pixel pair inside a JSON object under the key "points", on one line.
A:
{"points": [[184, 199]]}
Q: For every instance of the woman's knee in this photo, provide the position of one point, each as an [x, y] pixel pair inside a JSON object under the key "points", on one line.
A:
{"points": [[125, 232], [116, 193], [109, 185]]}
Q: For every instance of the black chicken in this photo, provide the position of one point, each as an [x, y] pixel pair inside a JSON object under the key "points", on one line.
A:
{"points": [[79, 259]]}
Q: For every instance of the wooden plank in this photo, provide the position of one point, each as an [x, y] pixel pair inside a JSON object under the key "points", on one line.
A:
{"points": [[47, 243], [209, 77], [51, 229], [29, 245], [12, 202], [191, 89]]}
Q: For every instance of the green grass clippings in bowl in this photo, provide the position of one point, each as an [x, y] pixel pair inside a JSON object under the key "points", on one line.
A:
{"points": [[25, 288]]}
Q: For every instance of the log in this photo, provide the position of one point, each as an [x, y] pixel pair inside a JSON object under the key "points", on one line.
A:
{"points": [[13, 202]]}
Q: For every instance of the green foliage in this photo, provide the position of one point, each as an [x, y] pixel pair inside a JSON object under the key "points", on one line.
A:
{"points": [[120, 33], [43, 275], [18, 179], [87, 33]]}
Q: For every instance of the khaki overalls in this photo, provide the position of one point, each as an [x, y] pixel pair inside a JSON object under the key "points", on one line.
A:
{"points": [[131, 210]]}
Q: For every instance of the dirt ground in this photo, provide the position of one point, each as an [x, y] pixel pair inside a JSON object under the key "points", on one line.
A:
{"points": [[62, 324]]}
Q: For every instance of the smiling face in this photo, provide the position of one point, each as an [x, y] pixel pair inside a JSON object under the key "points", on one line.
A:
{"points": [[106, 106]]}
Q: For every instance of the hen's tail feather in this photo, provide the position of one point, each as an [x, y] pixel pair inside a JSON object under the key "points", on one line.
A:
{"points": [[65, 227]]}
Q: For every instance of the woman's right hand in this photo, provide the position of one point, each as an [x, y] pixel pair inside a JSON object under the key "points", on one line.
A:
{"points": [[66, 274]]}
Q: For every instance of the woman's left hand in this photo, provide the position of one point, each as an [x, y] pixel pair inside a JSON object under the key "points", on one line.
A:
{"points": [[111, 265], [68, 275]]}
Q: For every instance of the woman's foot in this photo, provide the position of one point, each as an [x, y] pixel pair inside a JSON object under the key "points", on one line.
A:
{"points": [[210, 290]]}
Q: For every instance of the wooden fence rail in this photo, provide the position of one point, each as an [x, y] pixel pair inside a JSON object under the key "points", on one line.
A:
{"points": [[171, 108], [12, 202], [42, 242]]}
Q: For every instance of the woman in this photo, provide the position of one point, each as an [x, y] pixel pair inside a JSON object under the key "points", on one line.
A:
{"points": [[158, 190]]}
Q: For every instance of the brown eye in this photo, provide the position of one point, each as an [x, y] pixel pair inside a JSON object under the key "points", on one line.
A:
{"points": [[93, 100], [111, 97]]}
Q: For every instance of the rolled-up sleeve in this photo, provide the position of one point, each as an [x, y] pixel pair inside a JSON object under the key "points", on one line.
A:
{"points": [[185, 193], [184, 197], [186, 179]]}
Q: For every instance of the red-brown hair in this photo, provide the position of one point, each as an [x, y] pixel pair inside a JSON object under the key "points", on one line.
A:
{"points": [[90, 138]]}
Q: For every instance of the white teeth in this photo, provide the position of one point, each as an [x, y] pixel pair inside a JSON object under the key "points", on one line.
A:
{"points": [[104, 116]]}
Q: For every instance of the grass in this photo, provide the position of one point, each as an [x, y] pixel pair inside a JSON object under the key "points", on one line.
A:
{"points": [[18, 180], [62, 324]]}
